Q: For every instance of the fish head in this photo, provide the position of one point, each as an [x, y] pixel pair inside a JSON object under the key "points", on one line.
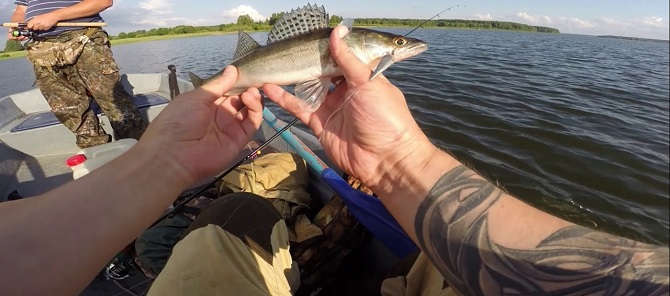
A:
{"points": [[406, 47], [381, 49], [373, 45]]}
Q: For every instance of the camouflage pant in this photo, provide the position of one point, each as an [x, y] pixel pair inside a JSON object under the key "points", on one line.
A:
{"points": [[70, 90]]}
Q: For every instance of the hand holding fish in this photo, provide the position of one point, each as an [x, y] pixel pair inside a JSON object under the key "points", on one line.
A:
{"points": [[201, 132], [364, 125]]}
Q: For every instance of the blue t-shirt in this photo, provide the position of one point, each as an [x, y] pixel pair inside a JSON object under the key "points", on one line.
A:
{"points": [[37, 7]]}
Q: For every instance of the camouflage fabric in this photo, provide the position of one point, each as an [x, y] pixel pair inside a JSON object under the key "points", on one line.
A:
{"points": [[71, 89]]}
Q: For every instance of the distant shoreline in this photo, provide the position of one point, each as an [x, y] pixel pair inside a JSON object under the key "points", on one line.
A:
{"points": [[632, 38], [19, 54]]}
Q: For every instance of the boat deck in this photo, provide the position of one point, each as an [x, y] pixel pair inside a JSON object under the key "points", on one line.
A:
{"points": [[34, 144]]}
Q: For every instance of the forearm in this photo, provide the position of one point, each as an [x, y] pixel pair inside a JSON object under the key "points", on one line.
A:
{"points": [[64, 227], [19, 14], [82, 9], [485, 241]]}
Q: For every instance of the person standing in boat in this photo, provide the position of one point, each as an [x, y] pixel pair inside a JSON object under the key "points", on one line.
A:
{"points": [[74, 66]]}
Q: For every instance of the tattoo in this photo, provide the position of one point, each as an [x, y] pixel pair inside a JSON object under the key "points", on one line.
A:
{"points": [[452, 229]]}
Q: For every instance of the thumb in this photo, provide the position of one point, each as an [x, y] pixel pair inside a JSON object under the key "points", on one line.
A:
{"points": [[355, 72], [221, 84]]}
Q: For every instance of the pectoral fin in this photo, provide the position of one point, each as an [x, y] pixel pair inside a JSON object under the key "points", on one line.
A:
{"points": [[313, 92], [385, 62]]}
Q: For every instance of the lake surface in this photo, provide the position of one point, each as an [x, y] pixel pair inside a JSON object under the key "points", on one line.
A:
{"points": [[575, 125]]}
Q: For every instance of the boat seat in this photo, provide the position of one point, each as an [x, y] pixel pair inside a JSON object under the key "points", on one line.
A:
{"points": [[47, 118]]}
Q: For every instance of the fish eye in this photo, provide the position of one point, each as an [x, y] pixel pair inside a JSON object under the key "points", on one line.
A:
{"points": [[399, 41]]}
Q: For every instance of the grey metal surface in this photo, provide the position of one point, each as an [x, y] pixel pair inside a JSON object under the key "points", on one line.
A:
{"points": [[8, 111], [10, 161], [32, 160], [39, 175], [52, 139]]}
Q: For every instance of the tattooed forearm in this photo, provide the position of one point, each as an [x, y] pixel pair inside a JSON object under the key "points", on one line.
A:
{"points": [[452, 229]]}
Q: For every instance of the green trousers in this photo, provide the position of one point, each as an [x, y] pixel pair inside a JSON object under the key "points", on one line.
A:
{"points": [[71, 89]]}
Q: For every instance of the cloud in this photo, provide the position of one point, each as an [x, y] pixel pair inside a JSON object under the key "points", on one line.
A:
{"points": [[484, 17], [159, 7], [577, 22], [526, 17], [654, 21], [646, 27], [610, 21], [172, 21], [160, 13], [534, 19], [232, 14], [562, 22]]}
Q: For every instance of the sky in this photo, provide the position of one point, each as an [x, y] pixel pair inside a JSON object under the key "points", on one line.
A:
{"points": [[635, 18]]}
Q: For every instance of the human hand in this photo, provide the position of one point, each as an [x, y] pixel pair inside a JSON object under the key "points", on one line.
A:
{"points": [[42, 22], [364, 125], [10, 36], [200, 132]]}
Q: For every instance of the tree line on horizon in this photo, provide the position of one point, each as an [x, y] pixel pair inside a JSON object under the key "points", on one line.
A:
{"points": [[246, 23]]}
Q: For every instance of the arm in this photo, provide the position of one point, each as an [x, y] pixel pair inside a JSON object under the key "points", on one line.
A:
{"points": [[84, 8], [483, 241], [59, 241], [18, 16]]}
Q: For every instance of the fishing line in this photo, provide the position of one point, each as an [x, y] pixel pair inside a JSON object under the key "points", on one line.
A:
{"points": [[220, 176], [430, 19], [347, 100]]}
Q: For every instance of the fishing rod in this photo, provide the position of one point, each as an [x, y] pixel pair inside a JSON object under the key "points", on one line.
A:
{"points": [[387, 60], [430, 19], [249, 156], [21, 29]]}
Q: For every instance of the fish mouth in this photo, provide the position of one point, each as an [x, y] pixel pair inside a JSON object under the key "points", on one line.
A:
{"points": [[409, 51]]}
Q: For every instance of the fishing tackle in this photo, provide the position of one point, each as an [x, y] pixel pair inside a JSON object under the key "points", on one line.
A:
{"points": [[21, 29], [387, 60], [431, 18]]}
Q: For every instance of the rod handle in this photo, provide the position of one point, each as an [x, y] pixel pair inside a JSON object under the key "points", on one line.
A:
{"points": [[93, 24]]}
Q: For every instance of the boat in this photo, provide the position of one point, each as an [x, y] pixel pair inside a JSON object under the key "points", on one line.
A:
{"points": [[29, 167]]}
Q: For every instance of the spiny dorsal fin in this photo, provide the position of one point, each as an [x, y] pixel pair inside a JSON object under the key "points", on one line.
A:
{"points": [[245, 45], [299, 21]]}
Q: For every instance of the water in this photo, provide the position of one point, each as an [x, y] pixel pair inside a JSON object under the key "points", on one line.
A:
{"points": [[575, 125]]}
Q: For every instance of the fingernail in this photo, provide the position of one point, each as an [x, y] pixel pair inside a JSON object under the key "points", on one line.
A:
{"points": [[227, 70], [343, 31]]}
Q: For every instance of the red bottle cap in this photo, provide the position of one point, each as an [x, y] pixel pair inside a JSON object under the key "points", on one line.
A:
{"points": [[76, 160]]}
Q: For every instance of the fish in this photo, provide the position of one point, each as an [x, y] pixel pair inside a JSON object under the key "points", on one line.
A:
{"points": [[297, 53]]}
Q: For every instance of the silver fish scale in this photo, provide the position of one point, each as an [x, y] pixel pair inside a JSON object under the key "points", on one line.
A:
{"points": [[299, 21]]}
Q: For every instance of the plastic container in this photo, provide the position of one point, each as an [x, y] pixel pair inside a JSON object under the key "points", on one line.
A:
{"points": [[92, 158]]}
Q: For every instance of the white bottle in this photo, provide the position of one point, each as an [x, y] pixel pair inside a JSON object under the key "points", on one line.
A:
{"points": [[92, 158]]}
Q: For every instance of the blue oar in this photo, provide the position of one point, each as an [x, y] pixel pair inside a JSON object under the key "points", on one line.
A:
{"points": [[367, 209]]}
